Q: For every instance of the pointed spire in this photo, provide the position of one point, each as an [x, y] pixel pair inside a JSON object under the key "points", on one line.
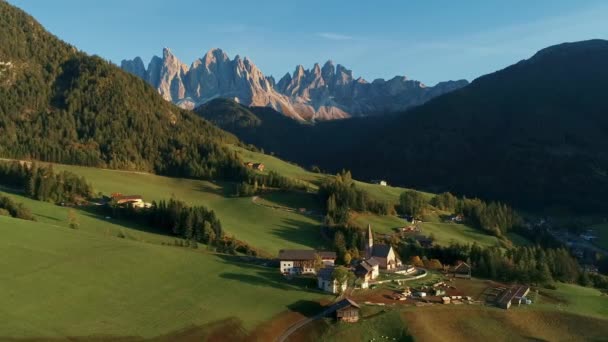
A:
{"points": [[369, 248]]}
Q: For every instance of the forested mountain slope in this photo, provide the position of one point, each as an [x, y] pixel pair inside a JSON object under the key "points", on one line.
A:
{"points": [[534, 134], [58, 104]]}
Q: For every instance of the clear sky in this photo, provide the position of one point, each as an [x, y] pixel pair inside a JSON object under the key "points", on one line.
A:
{"points": [[427, 40]]}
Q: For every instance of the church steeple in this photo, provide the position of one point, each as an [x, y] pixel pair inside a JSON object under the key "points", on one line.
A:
{"points": [[369, 247]]}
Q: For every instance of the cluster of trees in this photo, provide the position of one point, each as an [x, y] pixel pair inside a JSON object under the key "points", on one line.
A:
{"points": [[175, 217], [340, 194], [194, 224], [44, 184], [256, 182], [9, 208], [524, 264], [66, 107], [347, 241], [494, 217]]}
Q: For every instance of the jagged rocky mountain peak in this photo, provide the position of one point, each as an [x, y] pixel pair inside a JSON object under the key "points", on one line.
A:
{"points": [[323, 92]]}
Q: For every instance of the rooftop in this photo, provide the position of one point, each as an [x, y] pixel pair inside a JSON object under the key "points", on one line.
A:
{"points": [[304, 254]]}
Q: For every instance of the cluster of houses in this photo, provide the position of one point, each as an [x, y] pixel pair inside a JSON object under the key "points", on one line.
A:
{"points": [[255, 166], [376, 257]]}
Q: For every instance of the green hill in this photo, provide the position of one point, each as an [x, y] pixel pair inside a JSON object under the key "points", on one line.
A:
{"points": [[60, 105], [532, 134], [74, 283]]}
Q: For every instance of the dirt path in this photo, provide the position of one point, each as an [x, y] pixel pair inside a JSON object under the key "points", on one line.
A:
{"points": [[300, 324]]}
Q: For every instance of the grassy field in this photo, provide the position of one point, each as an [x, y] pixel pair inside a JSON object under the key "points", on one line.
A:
{"points": [[378, 192], [478, 323], [262, 227], [569, 313], [444, 233], [375, 322], [57, 216], [59, 282]]}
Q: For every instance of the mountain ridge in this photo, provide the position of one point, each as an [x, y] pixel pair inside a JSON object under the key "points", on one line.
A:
{"points": [[534, 134], [320, 93]]}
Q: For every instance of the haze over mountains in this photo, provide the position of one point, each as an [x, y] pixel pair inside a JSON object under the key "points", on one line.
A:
{"points": [[321, 93]]}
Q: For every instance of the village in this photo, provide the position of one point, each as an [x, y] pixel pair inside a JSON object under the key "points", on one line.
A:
{"points": [[381, 279]]}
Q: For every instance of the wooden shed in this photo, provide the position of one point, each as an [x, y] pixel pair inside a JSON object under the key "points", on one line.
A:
{"points": [[346, 310]]}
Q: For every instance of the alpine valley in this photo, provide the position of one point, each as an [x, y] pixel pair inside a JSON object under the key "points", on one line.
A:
{"points": [[316, 207]]}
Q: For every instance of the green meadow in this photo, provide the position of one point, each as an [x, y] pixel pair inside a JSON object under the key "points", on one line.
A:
{"points": [[59, 282], [263, 227]]}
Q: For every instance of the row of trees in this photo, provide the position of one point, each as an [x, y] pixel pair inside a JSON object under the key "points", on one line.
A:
{"points": [[494, 217], [10, 208], [44, 184], [195, 224], [256, 182], [340, 194], [531, 264]]}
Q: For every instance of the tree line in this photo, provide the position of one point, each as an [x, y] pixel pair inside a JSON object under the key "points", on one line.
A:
{"points": [[44, 184], [194, 224], [523, 264], [340, 194], [495, 218], [256, 182]]}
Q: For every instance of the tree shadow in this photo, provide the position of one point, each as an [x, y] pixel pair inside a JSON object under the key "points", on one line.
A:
{"points": [[307, 308], [300, 232], [255, 280], [264, 275], [224, 189], [98, 213], [48, 217]]}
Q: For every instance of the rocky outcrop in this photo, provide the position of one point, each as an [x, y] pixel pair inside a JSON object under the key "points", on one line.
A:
{"points": [[320, 93]]}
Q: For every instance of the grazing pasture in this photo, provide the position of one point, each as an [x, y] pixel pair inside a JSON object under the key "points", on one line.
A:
{"points": [[59, 282]]}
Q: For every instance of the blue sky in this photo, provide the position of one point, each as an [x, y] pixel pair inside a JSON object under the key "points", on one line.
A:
{"points": [[430, 41]]}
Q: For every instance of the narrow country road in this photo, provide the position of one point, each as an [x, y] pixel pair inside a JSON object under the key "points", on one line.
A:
{"points": [[300, 324]]}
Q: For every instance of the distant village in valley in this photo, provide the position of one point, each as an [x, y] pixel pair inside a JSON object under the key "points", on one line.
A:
{"points": [[393, 282]]}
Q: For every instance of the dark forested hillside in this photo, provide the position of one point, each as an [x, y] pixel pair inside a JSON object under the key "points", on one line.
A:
{"points": [[60, 105], [534, 134]]}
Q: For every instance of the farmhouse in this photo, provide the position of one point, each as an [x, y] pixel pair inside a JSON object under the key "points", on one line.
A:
{"points": [[327, 283], [302, 261], [345, 310], [367, 270], [513, 295], [460, 270], [135, 201], [255, 166], [383, 254], [379, 182]]}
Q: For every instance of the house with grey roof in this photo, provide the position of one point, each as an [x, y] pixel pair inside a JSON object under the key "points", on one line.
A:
{"points": [[328, 283], [302, 261]]}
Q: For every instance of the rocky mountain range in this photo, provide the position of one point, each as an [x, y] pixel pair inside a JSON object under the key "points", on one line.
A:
{"points": [[320, 93]]}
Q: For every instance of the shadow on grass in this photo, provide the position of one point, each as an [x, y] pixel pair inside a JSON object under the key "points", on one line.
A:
{"points": [[266, 276], [98, 213], [224, 189], [48, 217], [307, 308], [300, 232], [293, 199], [256, 280]]}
